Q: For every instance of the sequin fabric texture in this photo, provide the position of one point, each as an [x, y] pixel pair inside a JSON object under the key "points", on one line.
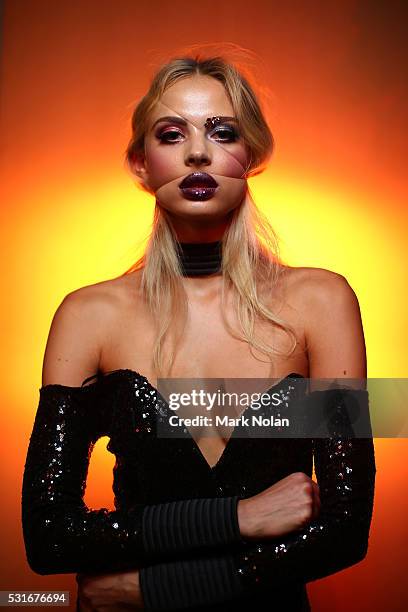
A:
{"points": [[63, 535], [345, 470]]}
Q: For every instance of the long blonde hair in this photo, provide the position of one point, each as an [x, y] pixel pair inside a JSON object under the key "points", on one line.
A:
{"points": [[250, 252]]}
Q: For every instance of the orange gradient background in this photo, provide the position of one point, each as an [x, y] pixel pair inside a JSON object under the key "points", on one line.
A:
{"points": [[335, 191]]}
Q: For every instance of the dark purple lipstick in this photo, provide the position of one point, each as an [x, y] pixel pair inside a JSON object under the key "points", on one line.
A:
{"points": [[198, 186]]}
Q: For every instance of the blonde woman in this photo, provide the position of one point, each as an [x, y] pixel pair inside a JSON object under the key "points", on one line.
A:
{"points": [[206, 522]]}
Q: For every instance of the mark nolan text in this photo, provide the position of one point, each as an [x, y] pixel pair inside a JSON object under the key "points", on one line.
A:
{"points": [[225, 421]]}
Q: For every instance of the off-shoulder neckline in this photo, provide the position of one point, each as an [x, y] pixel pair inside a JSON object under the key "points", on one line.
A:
{"points": [[98, 377], [126, 371]]}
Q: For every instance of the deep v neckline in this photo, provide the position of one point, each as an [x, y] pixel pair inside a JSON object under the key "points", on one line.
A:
{"points": [[195, 446]]}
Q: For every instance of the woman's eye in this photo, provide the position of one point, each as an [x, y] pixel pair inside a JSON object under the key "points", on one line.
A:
{"points": [[226, 134], [222, 134], [169, 136]]}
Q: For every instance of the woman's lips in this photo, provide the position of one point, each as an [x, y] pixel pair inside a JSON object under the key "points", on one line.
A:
{"points": [[198, 186], [198, 193], [198, 179]]}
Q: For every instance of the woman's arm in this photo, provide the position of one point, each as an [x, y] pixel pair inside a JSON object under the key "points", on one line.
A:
{"points": [[61, 534], [337, 539], [345, 470]]}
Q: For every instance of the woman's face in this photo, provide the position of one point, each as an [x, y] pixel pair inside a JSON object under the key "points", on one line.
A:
{"points": [[190, 131]]}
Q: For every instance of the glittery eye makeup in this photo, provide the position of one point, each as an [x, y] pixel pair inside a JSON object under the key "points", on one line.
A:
{"points": [[218, 127], [226, 133], [168, 136], [216, 120]]}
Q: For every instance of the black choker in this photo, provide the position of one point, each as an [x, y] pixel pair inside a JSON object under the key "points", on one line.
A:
{"points": [[199, 258]]}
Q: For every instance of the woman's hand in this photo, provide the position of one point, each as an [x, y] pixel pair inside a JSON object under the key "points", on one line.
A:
{"points": [[109, 592], [287, 505]]}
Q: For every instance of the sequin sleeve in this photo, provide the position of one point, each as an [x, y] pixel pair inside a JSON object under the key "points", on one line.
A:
{"points": [[338, 538], [62, 535], [345, 471]]}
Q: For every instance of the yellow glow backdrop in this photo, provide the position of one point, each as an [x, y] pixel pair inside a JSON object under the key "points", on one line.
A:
{"points": [[335, 192]]}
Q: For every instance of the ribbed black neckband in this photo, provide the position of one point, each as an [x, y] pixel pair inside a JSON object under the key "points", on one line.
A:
{"points": [[199, 258]]}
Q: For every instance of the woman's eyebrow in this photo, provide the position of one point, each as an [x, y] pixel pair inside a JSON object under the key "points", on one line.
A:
{"points": [[178, 120], [181, 121], [219, 119]]}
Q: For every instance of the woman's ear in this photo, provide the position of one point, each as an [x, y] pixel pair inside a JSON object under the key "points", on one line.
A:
{"points": [[137, 164]]}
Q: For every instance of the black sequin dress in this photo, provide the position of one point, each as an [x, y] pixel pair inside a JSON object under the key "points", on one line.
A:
{"points": [[63, 535]]}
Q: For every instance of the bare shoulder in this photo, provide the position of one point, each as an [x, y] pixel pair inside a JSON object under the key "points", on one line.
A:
{"points": [[102, 299], [98, 304], [78, 328], [332, 322], [318, 285]]}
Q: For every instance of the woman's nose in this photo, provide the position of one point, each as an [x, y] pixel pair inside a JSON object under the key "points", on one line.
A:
{"points": [[198, 158], [197, 153]]}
